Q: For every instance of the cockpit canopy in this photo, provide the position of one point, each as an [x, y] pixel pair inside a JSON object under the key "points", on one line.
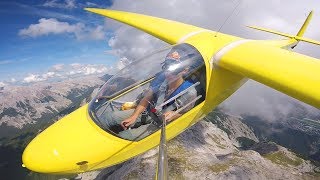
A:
{"points": [[150, 65], [153, 73]]}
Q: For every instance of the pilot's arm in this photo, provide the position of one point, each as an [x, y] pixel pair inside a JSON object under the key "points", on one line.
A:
{"points": [[154, 86], [139, 109], [168, 116]]}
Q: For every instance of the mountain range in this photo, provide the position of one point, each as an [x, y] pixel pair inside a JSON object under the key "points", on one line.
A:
{"points": [[25, 106]]}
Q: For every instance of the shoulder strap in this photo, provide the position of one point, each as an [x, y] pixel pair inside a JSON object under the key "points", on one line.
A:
{"points": [[182, 87]]}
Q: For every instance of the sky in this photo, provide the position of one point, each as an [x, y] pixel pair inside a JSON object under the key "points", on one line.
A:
{"points": [[42, 40], [37, 37]]}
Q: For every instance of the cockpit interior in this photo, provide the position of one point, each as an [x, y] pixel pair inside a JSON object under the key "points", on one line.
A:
{"points": [[170, 80]]}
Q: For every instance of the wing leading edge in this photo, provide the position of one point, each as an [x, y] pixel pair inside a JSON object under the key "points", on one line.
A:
{"points": [[169, 31]]}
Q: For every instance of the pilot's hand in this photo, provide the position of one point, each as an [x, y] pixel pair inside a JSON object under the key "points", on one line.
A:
{"points": [[127, 122], [168, 115]]}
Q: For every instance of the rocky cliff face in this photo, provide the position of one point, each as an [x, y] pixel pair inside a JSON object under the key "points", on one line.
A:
{"points": [[301, 135], [212, 149]]}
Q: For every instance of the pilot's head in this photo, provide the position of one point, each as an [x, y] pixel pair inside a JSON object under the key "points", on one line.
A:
{"points": [[173, 66]]}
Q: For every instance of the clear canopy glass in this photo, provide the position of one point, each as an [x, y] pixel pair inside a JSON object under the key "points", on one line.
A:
{"points": [[170, 81]]}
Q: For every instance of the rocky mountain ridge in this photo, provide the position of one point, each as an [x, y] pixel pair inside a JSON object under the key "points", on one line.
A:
{"points": [[22, 105], [299, 135]]}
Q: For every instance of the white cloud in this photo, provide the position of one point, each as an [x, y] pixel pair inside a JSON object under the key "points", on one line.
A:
{"points": [[91, 4], [132, 44], [2, 84], [53, 26], [57, 67], [90, 70], [76, 65], [87, 69], [74, 72], [61, 71], [97, 33], [33, 78], [67, 4], [13, 80], [94, 70], [48, 75], [78, 69], [48, 26]]}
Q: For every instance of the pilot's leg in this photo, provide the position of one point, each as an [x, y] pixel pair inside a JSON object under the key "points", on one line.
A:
{"points": [[116, 117]]}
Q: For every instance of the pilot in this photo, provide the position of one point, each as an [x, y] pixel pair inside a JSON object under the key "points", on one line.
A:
{"points": [[167, 84]]}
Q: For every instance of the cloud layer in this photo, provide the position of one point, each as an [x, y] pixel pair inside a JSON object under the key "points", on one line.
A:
{"points": [[2, 84], [53, 26], [61, 71], [67, 4]]}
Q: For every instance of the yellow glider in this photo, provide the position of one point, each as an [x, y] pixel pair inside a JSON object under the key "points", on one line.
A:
{"points": [[85, 140]]}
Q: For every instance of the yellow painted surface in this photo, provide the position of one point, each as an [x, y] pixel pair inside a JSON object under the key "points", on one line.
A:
{"points": [[291, 73], [305, 25], [70, 140]]}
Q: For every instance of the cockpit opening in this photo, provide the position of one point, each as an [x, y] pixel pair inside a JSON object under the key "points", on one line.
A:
{"points": [[165, 84]]}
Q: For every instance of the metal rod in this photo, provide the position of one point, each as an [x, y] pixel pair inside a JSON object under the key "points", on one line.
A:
{"points": [[162, 172]]}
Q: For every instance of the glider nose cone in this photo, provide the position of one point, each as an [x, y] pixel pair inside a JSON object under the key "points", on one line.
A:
{"points": [[70, 145], [58, 147], [37, 158]]}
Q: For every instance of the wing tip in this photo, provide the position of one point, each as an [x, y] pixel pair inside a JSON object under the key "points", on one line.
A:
{"points": [[90, 9], [94, 10]]}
